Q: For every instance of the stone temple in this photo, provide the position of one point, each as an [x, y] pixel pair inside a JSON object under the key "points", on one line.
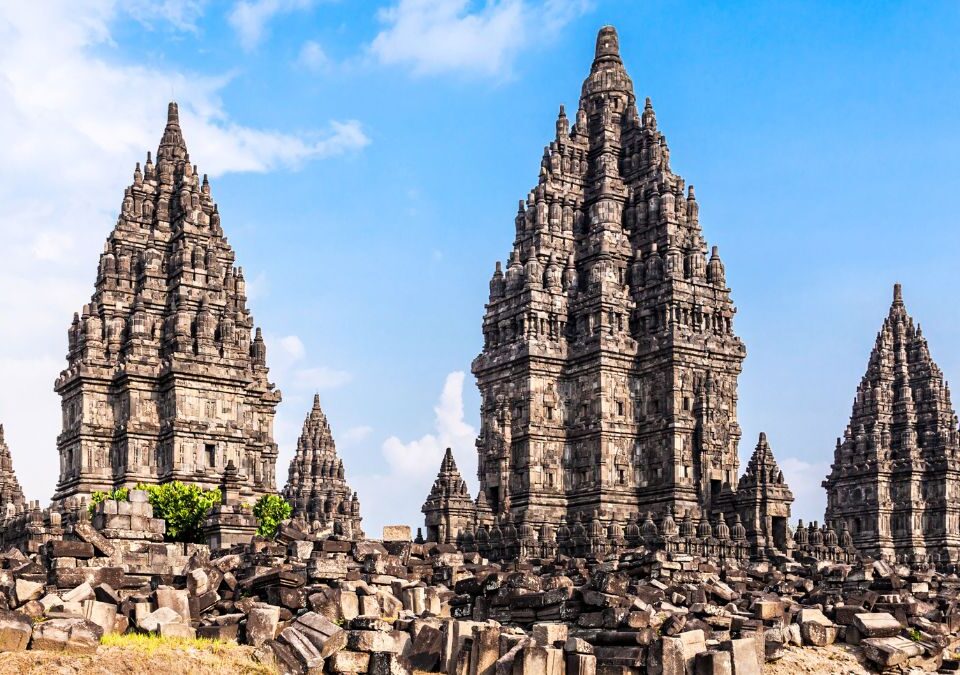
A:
{"points": [[316, 485], [11, 495], [165, 378], [608, 375], [895, 478]]}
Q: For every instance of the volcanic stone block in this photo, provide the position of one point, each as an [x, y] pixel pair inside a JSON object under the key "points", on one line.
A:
{"points": [[396, 533], [713, 663], [15, 631], [75, 635], [349, 662], [303, 649], [744, 656], [876, 624], [326, 636], [177, 600], [485, 650], [104, 614], [262, 624]]}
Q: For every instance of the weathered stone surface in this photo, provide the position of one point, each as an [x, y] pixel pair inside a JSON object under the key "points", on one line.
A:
{"points": [[15, 631], [262, 625], [185, 304], [316, 487], [152, 621], [75, 635], [876, 624], [911, 439]]}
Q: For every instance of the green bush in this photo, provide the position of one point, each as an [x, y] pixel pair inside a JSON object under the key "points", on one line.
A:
{"points": [[182, 507], [270, 510], [97, 496]]}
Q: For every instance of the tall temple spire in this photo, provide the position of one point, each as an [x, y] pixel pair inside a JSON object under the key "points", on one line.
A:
{"points": [[316, 483], [172, 146], [608, 375], [164, 380], [898, 463], [11, 493], [448, 508]]}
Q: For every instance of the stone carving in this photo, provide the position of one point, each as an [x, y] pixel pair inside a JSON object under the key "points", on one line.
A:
{"points": [[449, 510], [11, 495], [611, 388], [895, 479], [165, 378], [316, 486]]}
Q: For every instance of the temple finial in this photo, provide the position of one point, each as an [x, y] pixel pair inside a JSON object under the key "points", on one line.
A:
{"points": [[173, 113], [608, 44], [897, 294]]}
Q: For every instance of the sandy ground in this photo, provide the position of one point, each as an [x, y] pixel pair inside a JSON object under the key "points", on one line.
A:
{"points": [[221, 660], [837, 659], [132, 661]]}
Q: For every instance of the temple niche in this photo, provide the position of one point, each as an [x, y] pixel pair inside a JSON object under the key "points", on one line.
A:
{"points": [[166, 377], [895, 479], [608, 376], [316, 484]]}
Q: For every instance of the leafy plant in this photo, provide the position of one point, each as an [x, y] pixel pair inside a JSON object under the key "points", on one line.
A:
{"points": [[97, 496], [270, 510], [183, 508], [915, 635]]}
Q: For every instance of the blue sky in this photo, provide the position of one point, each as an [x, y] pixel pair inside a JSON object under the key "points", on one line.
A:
{"points": [[367, 158]]}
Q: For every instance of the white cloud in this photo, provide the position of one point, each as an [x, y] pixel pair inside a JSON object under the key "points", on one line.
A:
{"points": [[411, 466], [293, 346], [181, 14], [421, 457], [355, 435], [75, 115], [249, 18], [439, 36], [313, 57]]}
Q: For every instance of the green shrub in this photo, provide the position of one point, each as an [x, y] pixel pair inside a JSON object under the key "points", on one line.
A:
{"points": [[270, 510], [183, 508], [97, 496]]}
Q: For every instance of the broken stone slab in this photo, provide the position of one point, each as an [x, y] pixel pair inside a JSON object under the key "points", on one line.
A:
{"points": [[888, 652], [15, 631], [325, 635], [82, 592], [177, 600], [104, 614], [744, 656], [303, 650], [713, 662], [152, 622], [26, 591], [876, 624], [262, 625], [75, 635]]}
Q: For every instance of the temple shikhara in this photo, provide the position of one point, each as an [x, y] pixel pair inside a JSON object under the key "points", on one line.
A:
{"points": [[316, 485], [166, 378], [609, 369], [613, 530], [895, 479]]}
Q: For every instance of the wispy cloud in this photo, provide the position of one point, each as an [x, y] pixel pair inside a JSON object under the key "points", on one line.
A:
{"points": [[443, 36], [250, 18]]}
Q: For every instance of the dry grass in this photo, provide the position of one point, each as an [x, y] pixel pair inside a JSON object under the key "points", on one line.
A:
{"points": [[140, 655]]}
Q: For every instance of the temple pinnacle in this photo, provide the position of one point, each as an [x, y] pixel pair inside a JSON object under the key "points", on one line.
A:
{"points": [[608, 44]]}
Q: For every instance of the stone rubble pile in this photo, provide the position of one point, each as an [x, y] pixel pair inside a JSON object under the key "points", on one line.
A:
{"points": [[312, 605]]}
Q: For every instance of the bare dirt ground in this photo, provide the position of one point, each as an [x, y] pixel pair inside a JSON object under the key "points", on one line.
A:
{"points": [[134, 661], [837, 659]]}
